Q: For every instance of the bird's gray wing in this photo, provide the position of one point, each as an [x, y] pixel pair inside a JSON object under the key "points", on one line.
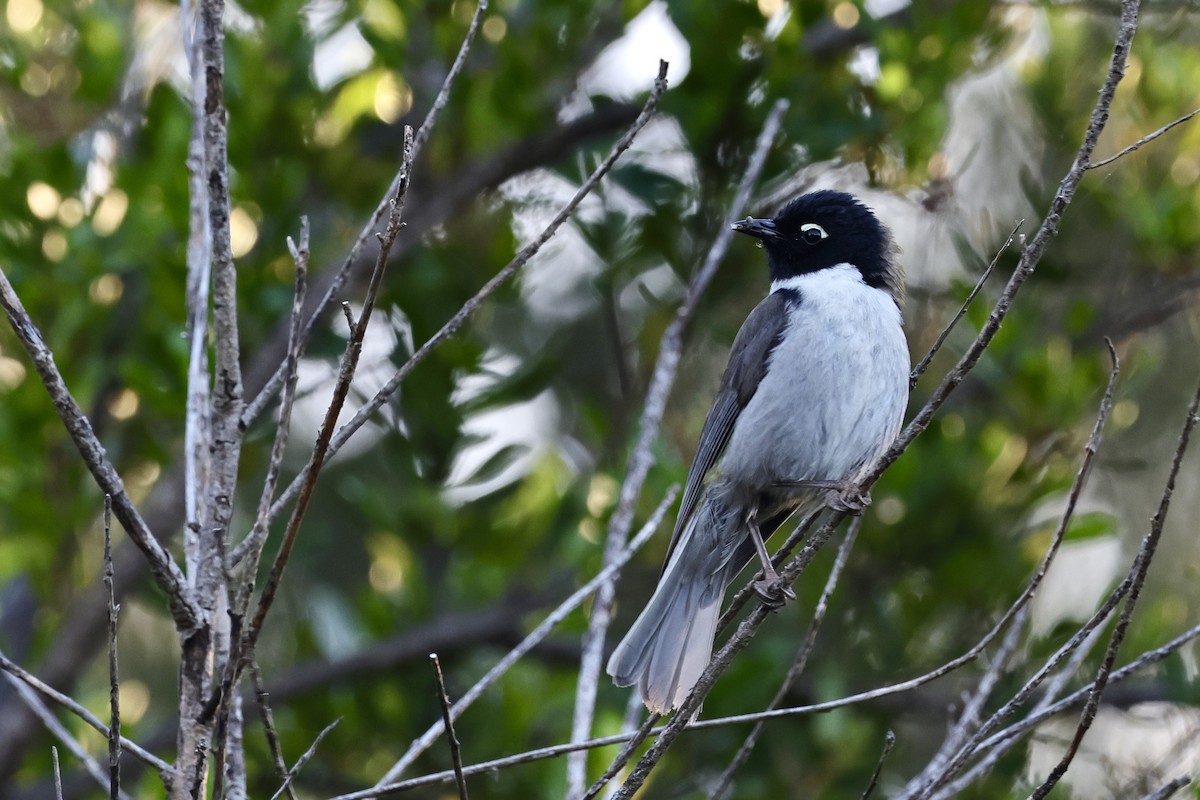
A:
{"points": [[748, 361]]}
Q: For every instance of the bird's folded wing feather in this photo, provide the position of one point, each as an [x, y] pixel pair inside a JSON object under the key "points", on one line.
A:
{"points": [[748, 361]]}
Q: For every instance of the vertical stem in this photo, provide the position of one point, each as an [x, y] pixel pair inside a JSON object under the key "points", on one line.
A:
{"points": [[114, 690], [215, 495]]}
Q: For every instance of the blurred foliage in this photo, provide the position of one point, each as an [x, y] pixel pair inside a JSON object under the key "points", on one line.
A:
{"points": [[490, 483]]}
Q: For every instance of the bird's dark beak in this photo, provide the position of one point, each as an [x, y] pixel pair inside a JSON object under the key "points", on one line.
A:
{"points": [[758, 228]]}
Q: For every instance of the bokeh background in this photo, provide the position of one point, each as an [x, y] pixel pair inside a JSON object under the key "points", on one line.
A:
{"points": [[480, 496]]}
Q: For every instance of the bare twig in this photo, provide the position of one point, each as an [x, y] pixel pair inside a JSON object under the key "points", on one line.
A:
{"points": [[15, 671], [468, 309], [304, 759], [1054, 688], [968, 720], [553, 751], [253, 543], [936, 780], [923, 364], [1034, 250], [889, 742], [341, 390], [1142, 565], [1145, 139], [535, 636], [239, 596], [166, 572], [114, 688], [451, 736], [799, 661], [955, 738], [980, 744], [443, 95], [1028, 723], [263, 701], [1165, 791], [58, 794], [242, 648], [60, 732], [642, 458], [385, 203], [627, 751]]}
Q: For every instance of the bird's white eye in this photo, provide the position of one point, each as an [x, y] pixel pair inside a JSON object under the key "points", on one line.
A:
{"points": [[812, 233]]}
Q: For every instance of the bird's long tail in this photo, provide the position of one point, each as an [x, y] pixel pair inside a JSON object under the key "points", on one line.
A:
{"points": [[671, 643]]}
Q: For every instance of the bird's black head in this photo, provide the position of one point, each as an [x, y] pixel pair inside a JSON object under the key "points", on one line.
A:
{"points": [[822, 229]]}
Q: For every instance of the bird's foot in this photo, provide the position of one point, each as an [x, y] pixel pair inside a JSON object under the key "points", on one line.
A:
{"points": [[841, 496], [848, 500], [773, 591]]}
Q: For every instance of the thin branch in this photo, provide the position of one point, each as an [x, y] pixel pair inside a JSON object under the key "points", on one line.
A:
{"points": [[1145, 139], [443, 95], [60, 732], [642, 456], [114, 689], [968, 721], [889, 742], [421, 744], [263, 701], [468, 309], [1028, 723], [1034, 250], [626, 752], [554, 751], [799, 661], [58, 793], [1053, 689], [1149, 547], [923, 364], [1098, 618], [27, 678], [166, 572], [304, 759], [1165, 791], [411, 150], [254, 542], [451, 735], [955, 738], [341, 390], [980, 744]]}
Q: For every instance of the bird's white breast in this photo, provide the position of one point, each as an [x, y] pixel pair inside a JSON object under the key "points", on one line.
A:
{"points": [[835, 391]]}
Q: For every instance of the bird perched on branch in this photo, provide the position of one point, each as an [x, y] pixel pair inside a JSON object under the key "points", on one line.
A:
{"points": [[814, 392]]}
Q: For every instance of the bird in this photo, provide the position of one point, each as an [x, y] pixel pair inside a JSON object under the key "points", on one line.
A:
{"points": [[814, 392]]}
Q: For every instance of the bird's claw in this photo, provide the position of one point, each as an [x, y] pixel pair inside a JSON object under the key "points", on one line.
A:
{"points": [[773, 592], [841, 496], [847, 500]]}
